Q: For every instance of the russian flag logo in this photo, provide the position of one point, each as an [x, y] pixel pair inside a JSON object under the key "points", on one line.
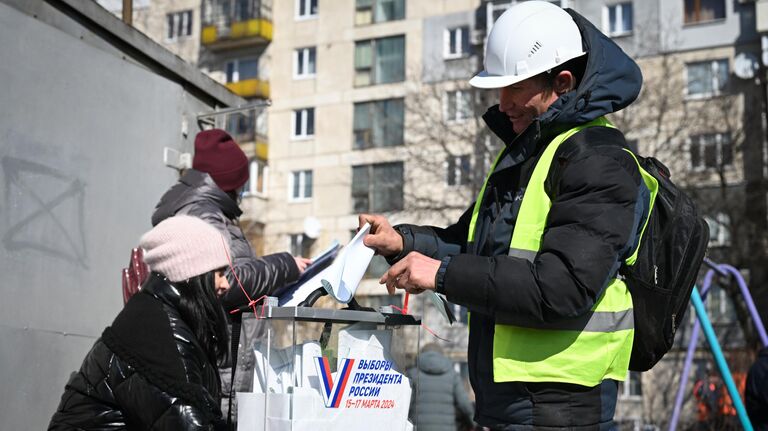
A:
{"points": [[332, 393]]}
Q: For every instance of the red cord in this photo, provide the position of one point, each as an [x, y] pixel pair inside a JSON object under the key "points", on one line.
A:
{"points": [[251, 303], [404, 311]]}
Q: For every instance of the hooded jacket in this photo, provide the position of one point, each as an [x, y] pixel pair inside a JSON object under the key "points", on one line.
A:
{"points": [[598, 203], [438, 395], [196, 194], [146, 372]]}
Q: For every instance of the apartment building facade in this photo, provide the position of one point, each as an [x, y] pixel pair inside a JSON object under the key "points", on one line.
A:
{"points": [[371, 112]]}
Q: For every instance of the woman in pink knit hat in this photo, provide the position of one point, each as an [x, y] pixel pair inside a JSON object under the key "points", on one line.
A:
{"points": [[155, 367]]}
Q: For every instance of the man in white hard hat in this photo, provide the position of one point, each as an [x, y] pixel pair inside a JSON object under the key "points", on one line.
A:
{"points": [[535, 257]]}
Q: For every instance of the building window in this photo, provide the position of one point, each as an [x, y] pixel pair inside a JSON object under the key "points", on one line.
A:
{"points": [[458, 105], [241, 125], [377, 188], [719, 230], [457, 170], [632, 387], [617, 19], [178, 25], [242, 69], [306, 9], [373, 11], [380, 61], [706, 78], [719, 306], [697, 11], [303, 123], [257, 181], [456, 42], [301, 185], [379, 123], [711, 151], [304, 63], [300, 244]]}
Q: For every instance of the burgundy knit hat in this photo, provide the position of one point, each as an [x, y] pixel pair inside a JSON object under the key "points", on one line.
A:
{"points": [[218, 155]]}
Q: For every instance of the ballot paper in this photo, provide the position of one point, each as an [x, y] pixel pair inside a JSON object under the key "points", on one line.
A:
{"points": [[341, 278], [286, 367], [442, 306], [363, 340]]}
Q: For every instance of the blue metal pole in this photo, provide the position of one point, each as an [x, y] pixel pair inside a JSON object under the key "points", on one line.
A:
{"points": [[717, 352], [689, 357]]}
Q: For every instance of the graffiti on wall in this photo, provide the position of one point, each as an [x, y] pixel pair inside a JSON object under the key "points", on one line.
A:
{"points": [[44, 210]]}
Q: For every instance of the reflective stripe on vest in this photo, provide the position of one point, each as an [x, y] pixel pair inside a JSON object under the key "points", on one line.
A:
{"points": [[584, 350]]}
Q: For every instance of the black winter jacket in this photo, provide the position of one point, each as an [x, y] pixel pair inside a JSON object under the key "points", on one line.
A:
{"points": [[438, 397], [196, 194], [598, 202], [146, 372]]}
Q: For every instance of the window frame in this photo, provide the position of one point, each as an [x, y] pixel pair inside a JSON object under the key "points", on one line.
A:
{"points": [[301, 175], [463, 31], [236, 69], [308, 15], [372, 11], [700, 142], [720, 226], [302, 114], [458, 95], [183, 18], [262, 168], [372, 78], [625, 387], [304, 52], [620, 10], [371, 174], [698, 10], [378, 105], [299, 244], [460, 177], [717, 88]]}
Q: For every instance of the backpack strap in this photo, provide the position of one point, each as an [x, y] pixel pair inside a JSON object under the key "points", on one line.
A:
{"points": [[581, 142]]}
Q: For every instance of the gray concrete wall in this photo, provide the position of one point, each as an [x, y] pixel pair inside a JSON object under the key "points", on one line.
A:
{"points": [[737, 27], [436, 68], [82, 131]]}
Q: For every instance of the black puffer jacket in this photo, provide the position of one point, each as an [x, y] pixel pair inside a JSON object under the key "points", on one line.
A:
{"points": [[146, 372], [196, 194], [438, 396], [598, 202]]}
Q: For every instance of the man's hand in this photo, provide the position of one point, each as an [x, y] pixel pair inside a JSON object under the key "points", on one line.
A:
{"points": [[415, 273], [302, 263], [382, 237]]}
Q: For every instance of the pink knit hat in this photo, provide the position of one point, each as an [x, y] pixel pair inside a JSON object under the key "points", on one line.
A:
{"points": [[182, 247]]}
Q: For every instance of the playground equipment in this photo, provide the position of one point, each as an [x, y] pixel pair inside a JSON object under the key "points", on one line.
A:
{"points": [[704, 322]]}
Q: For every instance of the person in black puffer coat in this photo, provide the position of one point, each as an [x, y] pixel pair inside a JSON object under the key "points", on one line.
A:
{"points": [[438, 396], [211, 191], [155, 367]]}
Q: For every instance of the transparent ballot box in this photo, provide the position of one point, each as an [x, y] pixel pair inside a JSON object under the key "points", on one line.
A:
{"points": [[326, 369]]}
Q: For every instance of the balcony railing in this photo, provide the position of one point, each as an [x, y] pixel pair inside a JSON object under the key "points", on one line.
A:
{"points": [[250, 88], [236, 23]]}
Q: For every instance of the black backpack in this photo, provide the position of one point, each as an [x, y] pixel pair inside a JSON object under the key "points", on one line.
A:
{"points": [[661, 280], [671, 252]]}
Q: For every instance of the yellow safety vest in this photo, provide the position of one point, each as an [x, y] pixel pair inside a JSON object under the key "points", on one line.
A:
{"points": [[583, 350]]}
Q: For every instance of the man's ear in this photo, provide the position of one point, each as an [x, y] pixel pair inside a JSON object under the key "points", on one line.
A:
{"points": [[564, 82]]}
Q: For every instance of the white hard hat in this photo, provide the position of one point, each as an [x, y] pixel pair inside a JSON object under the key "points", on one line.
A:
{"points": [[529, 38]]}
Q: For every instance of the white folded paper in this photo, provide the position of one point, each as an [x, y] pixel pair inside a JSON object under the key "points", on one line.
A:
{"points": [[341, 278]]}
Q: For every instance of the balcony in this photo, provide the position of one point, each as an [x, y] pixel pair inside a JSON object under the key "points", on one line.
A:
{"points": [[250, 88], [231, 24]]}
